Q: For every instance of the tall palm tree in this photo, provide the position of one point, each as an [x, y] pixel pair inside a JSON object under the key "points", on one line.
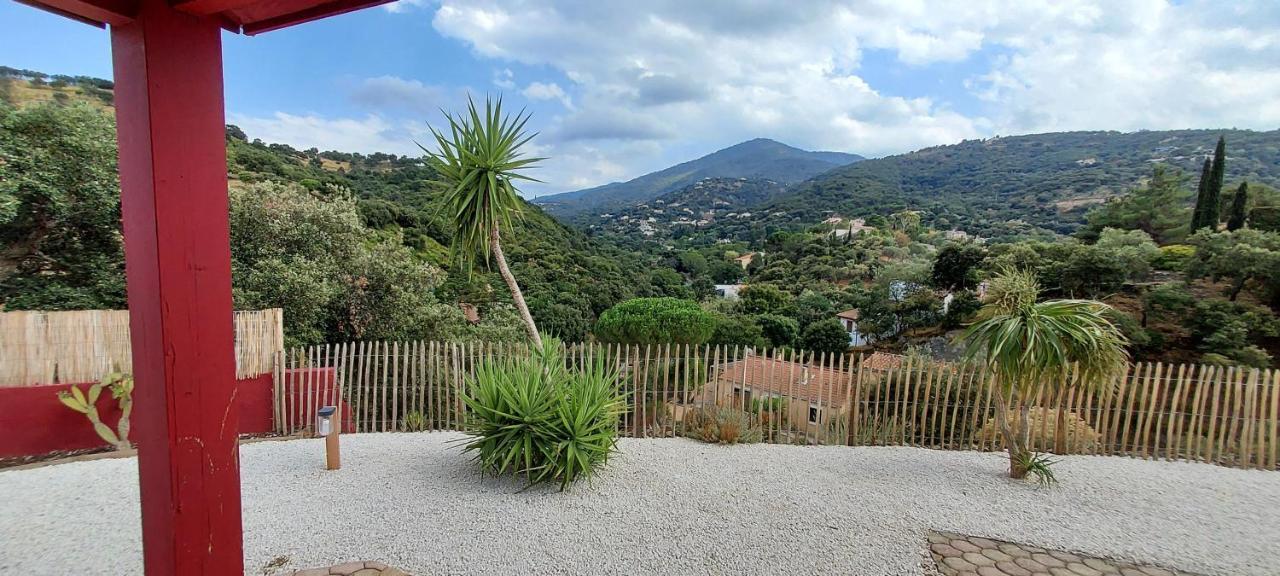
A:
{"points": [[480, 159], [1025, 343]]}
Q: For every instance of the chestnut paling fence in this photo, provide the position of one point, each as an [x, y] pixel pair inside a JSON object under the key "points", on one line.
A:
{"points": [[1223, 415]]}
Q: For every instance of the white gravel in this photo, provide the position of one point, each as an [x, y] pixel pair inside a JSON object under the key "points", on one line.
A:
{"points": [[662, 507]]}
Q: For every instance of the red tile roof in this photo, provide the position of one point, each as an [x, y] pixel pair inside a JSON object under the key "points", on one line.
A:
{"points": [[827, 386]]}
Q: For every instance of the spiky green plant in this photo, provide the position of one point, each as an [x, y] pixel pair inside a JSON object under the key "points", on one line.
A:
{"points": [[531, 416], [86, 402], [1026, 344], [479, 159], [1040, 466]]}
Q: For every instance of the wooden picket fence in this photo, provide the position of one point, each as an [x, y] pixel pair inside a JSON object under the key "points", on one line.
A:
{"points": [[1223, 415], [83, 345]]}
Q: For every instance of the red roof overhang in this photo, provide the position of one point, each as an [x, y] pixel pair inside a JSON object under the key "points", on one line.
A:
{"points": [[240, 16]]}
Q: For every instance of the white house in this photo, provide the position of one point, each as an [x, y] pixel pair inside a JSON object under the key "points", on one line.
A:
{"points": [[849, 319]]}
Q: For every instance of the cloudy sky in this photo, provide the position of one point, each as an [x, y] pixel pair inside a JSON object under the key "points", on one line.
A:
{"points": [[618, 89]]}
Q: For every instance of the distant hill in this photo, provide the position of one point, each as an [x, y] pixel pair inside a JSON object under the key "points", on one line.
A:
{"points": [[705, 203], [998, 186], [761, 159]]}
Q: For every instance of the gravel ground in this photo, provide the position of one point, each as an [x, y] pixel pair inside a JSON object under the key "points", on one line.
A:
{"points": [[662, 507]]}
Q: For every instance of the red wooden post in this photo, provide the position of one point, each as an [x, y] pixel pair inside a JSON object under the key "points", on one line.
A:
{"points": [[170, 122]]}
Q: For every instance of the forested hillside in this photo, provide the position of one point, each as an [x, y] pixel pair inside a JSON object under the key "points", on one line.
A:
{"points": [[1004, 187], [758, 159], [353, 246]]}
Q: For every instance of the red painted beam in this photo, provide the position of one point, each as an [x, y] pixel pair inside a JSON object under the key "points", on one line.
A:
{"points": [[95, 12], [173, 179], [208, 7], [317, 12]]}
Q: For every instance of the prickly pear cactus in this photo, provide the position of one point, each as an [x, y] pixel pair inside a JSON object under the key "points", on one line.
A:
{"points": [[121, 386]]}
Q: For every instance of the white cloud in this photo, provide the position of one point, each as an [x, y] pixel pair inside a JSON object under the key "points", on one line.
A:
{"points": [[547, 91], [369, 134], [657, 82], [394, 93]]}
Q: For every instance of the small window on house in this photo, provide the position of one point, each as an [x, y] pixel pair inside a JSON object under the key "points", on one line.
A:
{"points": [[815, 413]]}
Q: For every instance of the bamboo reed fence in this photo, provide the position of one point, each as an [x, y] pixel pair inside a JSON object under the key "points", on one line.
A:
{"points": [[83, 345], [1223, 415]]}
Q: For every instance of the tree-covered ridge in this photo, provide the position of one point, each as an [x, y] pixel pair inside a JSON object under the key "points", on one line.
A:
{"points": [[1006, 186], [713, 203], [59, 203], [758, 159]]}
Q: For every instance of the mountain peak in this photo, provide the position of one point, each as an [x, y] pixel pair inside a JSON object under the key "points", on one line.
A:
{"points": [[758, 158]]}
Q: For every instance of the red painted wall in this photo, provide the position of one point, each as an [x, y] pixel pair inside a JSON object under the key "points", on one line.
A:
{"points": [[33, 421]]}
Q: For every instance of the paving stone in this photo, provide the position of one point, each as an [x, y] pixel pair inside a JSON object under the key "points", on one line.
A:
{"points": [[945, 550], [1047, 560], [996, 555], [1012, 569], [368, 572], [375, 565], [1013, 550], [347, 569], [312, 572], [1030, 564], [1082, 569], [978, 559], [1065, 556], [1101, 566], [960, 555], [959, 564], [982, 543]]}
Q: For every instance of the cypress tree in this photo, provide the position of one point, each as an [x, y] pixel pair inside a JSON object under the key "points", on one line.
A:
{"points": [[1197, 215], [1235, 220], [1213, 195]]}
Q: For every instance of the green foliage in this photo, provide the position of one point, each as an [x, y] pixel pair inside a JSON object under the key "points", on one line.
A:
{"points": [[1239, 208], [60, 242], [656, 321], [414, 421], [955, 266], [86, 402], [1158, 208], [738, 330], [722, 425], [1243, 256], [335, 280], [479, 160], [1133, 249], [780, 331], [1025, 343], [534, 417], [1174, 257], [826, 336], [764, 299], [1039, 465]]}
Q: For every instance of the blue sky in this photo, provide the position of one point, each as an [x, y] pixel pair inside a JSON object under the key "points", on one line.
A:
{"points": [[617, 90]]}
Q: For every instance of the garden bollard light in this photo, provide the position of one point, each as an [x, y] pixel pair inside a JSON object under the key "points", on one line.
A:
{"points": [[326, 427]]}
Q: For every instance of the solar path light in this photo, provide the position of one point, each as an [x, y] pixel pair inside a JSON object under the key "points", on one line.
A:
{"points": [[326, 427]]}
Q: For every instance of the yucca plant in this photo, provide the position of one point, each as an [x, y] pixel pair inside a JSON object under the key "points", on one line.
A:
{"points": [[479, 160], [532, 416], [1026, 344]]}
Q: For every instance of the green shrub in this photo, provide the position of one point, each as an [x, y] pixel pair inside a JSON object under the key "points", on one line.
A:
{"points": [[1174, 257], [532, 416], [656, 321], [722, 426]]}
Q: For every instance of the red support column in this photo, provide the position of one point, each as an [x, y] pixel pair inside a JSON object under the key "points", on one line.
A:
{"points": [[170, 122]]}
